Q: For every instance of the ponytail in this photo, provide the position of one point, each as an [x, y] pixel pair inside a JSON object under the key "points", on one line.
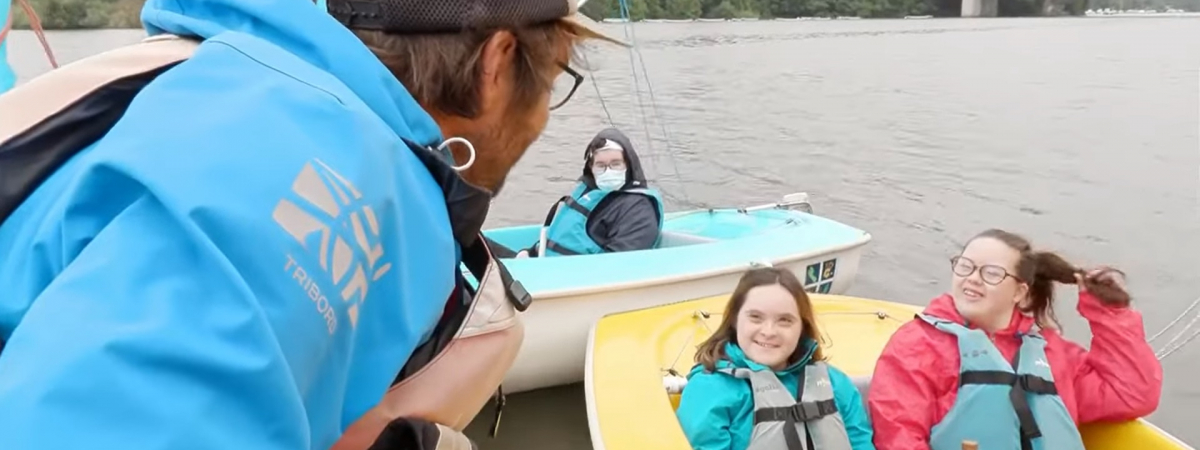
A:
{"points": [[1049, 268], [1042, 269]]}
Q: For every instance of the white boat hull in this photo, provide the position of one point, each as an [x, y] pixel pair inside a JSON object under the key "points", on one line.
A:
{"points": [[557, 328]]}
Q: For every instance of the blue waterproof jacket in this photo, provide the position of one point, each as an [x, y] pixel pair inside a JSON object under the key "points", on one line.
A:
{"points": [[716, 410], [246, 260]]}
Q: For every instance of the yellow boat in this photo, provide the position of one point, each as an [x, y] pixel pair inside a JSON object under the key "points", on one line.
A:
{"points": [[630, 354]]}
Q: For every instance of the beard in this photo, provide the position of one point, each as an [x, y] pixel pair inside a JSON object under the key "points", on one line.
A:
{"points": [[498, 147]]}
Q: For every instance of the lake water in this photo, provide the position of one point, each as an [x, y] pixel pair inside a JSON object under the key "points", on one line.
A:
{"points": [[1081, 133]]}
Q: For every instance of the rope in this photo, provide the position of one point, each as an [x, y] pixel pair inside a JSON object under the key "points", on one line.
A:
{"points": [[35, 24], [1173, 322], [698, 315], [597, 87], [661, 123], [1182, 338], [631, 36]]}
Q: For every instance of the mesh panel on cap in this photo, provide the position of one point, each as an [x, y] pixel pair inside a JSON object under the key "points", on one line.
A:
{"points": [[416, 16]]}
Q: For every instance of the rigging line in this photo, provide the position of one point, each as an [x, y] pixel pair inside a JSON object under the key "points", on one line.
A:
{"points": [[685, 344], [1182, 332], [597, 87], [662, 124], [1165, 352], [631, 35], [1177, 319]]}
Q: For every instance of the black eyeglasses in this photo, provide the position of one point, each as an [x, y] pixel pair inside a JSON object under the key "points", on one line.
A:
{"points": [[577, 80], [991, 274]]}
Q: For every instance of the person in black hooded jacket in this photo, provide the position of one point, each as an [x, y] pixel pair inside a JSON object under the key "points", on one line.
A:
{"points": [[611, 209]]}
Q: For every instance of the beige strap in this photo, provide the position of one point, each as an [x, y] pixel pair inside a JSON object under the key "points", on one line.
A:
{"points": [[29, 104]]}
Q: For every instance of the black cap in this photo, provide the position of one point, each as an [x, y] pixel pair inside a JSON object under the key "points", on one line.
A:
{"points": [[443, 16]]}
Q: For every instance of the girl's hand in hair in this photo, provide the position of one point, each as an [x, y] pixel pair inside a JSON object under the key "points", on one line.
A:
{"points": [[1106, 283]]}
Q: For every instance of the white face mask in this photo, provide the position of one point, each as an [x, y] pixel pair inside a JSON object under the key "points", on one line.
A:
{"points": [[611, 179]]}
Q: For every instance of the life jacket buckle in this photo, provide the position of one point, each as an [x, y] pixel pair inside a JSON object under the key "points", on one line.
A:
{"points": [[514, 290], [808, 411]]}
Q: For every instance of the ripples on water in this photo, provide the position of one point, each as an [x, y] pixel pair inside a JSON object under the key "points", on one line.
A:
{"points": [[1079, 132]]}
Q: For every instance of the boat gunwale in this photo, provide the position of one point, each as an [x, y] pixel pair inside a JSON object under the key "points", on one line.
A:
{"points": [[589, 396], [594, 427], [863, 239], [1165, 434]]}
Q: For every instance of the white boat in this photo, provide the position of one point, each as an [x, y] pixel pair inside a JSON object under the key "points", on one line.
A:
{"points": [[702, 253]]}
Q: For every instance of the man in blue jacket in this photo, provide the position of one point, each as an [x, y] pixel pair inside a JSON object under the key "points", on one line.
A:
{"points": [[247, 253]]}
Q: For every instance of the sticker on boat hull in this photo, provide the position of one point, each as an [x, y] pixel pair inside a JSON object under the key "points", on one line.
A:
{"points": [[812, 275], [828, 269]]}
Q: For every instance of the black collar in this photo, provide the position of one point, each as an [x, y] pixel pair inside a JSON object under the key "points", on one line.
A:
{"points": [[466, 203]]}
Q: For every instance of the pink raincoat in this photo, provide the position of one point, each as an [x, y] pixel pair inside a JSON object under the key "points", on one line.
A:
{"points": [[916, 378]]}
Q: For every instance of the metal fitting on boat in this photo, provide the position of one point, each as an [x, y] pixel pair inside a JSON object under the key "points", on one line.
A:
{"points": [[674, 383]]}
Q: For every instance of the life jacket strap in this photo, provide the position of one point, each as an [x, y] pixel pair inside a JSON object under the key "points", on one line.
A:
{"points": [[552, 214], [571, 203], [559, 248], [1029, 383], [501, 400], [477, 256], [800, 412]]}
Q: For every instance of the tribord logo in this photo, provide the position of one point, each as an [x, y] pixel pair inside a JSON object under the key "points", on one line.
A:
{"points": [[329, 218]]}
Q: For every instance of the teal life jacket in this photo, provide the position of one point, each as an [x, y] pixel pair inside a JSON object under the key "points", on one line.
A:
{"points": [[566, 228], [783, 422], [999, 407]]}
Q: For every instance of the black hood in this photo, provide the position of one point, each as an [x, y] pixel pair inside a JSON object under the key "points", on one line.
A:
{"points": [[635, 177]]}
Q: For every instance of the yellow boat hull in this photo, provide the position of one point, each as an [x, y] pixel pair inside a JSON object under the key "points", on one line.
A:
{"points": [[629, 353]]}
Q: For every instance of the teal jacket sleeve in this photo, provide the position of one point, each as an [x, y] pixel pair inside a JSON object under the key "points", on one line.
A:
{"points": [[854, 413], [706, 410]]}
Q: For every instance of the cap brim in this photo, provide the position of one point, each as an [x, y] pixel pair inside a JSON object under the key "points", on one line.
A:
{"points": [[586, 28]]}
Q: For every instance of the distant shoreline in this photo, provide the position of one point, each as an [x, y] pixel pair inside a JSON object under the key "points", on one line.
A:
{"points": [[130, 23], [80, 28]]}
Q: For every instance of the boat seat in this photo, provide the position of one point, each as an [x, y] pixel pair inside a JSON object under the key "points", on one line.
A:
{"points": [[677, 239]]}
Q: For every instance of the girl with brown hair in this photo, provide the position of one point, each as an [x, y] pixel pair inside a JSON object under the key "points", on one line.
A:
{"points": [[761, 381]]}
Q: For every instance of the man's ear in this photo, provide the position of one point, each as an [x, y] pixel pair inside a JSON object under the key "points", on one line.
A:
{"points": [[496, 60]]}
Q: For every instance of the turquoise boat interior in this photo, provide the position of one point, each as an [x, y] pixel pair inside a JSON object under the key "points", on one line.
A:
{"points": [[693, 242]]}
